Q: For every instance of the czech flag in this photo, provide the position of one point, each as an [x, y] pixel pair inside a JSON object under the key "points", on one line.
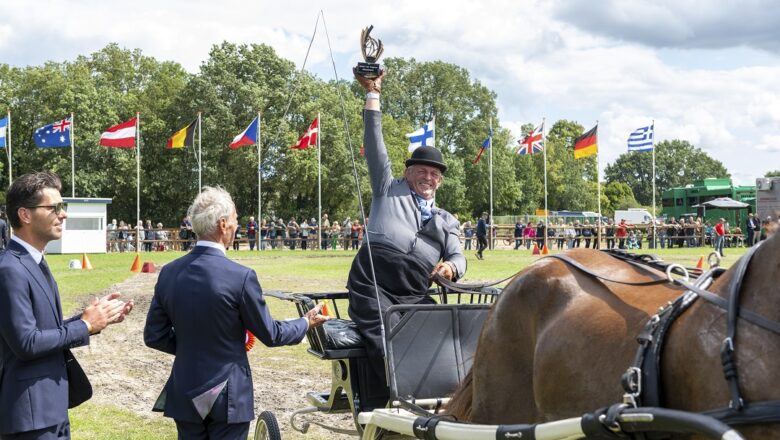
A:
{"points": [[247, 137]]}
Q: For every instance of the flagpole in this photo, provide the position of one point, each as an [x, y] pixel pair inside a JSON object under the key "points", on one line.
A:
{"points": [[259, 185], [434, 132], [200, 158], [598, 183], [72, 156], [319, 179], [652, 144], [490, 161], [546, 213], [138, 181], [8, 142]]}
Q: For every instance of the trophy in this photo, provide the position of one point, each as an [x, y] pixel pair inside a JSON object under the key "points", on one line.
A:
{"points": [[372, 49]]}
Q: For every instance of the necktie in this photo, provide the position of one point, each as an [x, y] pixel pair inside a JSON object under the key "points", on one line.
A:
{"points": [[47, 273], [425, 210], [52, 285]]}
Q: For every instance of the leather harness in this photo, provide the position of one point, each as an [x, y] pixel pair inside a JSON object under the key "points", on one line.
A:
{"points": [[642, 381]]}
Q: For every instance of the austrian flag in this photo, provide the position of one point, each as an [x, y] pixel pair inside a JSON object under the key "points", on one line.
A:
{"points": [[310, 137], [120, 136]]}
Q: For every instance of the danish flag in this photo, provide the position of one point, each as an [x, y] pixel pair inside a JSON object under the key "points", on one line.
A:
{"points": [[310, 137]]}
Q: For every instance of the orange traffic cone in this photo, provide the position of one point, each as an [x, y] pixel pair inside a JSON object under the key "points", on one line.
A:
{"points": [[85, 263], [700, 265], [536, 250], [136, 267], [545, 251], [325, 309]]}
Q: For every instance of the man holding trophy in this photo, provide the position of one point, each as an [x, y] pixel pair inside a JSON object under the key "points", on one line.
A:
{"points": [[410, 238]]}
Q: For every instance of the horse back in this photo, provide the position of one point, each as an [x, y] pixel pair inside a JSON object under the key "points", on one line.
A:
{"points": [[557, 339]]}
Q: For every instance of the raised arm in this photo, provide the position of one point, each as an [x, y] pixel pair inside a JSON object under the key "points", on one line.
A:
{"points": [[376, 153]]}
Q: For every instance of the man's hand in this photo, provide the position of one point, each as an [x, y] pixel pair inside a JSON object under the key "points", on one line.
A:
{"points": [[445, 269], [314, 317], [104, 311], [371, 85], [125, 311]]}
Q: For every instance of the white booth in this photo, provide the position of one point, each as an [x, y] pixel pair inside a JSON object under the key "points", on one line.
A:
{"points": [[84, 230]]}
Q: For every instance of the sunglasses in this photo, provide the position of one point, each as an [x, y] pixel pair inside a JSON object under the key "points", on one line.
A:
{"points": [[56, 208]]}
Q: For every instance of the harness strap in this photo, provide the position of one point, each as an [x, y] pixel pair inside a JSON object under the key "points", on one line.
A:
{"points": [[467, 287], [747, 315], [574, 263], [425, 427], [750, 413]]}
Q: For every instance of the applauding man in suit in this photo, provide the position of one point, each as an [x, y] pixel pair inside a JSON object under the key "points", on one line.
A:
{"points": [[34, 338], [202, 306]]}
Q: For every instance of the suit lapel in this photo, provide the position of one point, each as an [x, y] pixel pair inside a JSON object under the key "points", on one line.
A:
{"points": [[35, 272]]}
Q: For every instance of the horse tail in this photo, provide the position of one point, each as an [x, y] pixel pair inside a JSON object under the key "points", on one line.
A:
{"points": [[460, 402]]}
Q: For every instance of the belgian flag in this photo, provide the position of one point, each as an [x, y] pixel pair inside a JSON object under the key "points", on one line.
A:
{"points": [[587, 144], [184, 137]]}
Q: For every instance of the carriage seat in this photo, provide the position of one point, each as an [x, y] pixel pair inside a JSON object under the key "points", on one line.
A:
{"points": [[339, 339], [342, 334]]}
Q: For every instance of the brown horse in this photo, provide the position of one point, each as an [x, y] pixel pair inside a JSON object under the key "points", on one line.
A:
{"points": [[557, 342]]}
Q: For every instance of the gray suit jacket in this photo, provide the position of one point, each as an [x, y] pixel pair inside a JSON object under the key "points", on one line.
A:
{"points": [[33, 337], [395, 217]]}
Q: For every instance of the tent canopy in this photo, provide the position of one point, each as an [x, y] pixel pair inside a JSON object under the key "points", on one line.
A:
{"points": [[722, 203]]}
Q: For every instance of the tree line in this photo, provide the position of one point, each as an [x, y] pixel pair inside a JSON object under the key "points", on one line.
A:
{"points": [[238, 81]]}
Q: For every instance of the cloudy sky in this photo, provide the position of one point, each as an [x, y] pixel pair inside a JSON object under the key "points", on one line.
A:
{"points": [[705, 71]]}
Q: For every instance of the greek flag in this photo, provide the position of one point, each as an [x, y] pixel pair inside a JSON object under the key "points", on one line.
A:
{"points": [[3, 131], [422, 136], [641, 139]]}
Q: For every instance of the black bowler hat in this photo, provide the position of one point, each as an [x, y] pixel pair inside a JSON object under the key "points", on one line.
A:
{"points": [[427, 156]]}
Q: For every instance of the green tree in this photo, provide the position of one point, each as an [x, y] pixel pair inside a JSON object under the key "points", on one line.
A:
{"points": [[677, 163], [618, 196], [571, 182], [775, 173]]}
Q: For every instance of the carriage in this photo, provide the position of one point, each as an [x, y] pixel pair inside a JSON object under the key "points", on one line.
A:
{"points": [[422, 371]]}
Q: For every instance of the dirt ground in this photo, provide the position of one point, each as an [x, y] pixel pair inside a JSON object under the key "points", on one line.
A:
{"points": [[126, 374]]}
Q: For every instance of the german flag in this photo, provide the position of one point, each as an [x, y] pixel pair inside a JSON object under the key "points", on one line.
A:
{"points": [[184, 137], [587, 144]]}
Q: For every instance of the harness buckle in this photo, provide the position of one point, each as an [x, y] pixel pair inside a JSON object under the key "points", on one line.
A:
{"points": [[728, 345], [670, 272], [713, 260], [632, 384]]}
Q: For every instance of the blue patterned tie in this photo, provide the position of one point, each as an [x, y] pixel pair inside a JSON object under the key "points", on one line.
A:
{"points": [[425, 210]]}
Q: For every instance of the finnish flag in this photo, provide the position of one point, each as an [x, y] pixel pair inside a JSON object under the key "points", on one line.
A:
{"points": [[3, 131], [422, 136]]}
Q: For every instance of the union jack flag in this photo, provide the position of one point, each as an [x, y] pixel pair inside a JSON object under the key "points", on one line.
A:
{"points": [[533, 142]]}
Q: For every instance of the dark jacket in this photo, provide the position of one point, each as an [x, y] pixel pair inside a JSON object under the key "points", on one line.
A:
{"points": [[33, 337], [211, 301]]}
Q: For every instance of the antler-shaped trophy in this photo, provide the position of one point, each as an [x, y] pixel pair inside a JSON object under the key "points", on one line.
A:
{"points": [[371, 49]]}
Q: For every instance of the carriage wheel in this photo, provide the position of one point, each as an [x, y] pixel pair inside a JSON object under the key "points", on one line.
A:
{"points": [[267, 427]]}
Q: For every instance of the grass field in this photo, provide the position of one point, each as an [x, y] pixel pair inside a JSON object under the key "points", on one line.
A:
{"points": [[313, 271]]}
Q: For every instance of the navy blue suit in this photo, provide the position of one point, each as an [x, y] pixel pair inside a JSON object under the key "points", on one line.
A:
{"points": [[33, 337], [202, 306]]}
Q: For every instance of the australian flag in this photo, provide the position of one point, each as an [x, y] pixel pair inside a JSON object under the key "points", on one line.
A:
{"points": [[54, 135]]}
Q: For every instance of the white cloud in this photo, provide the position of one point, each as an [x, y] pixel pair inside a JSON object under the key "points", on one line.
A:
{"points": [[769, 143]]}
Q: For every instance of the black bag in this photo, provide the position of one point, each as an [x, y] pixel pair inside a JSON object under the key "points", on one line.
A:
{"points": [[79, 388]]}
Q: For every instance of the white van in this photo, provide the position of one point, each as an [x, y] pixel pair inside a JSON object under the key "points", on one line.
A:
{"points": [[637, 216]]}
